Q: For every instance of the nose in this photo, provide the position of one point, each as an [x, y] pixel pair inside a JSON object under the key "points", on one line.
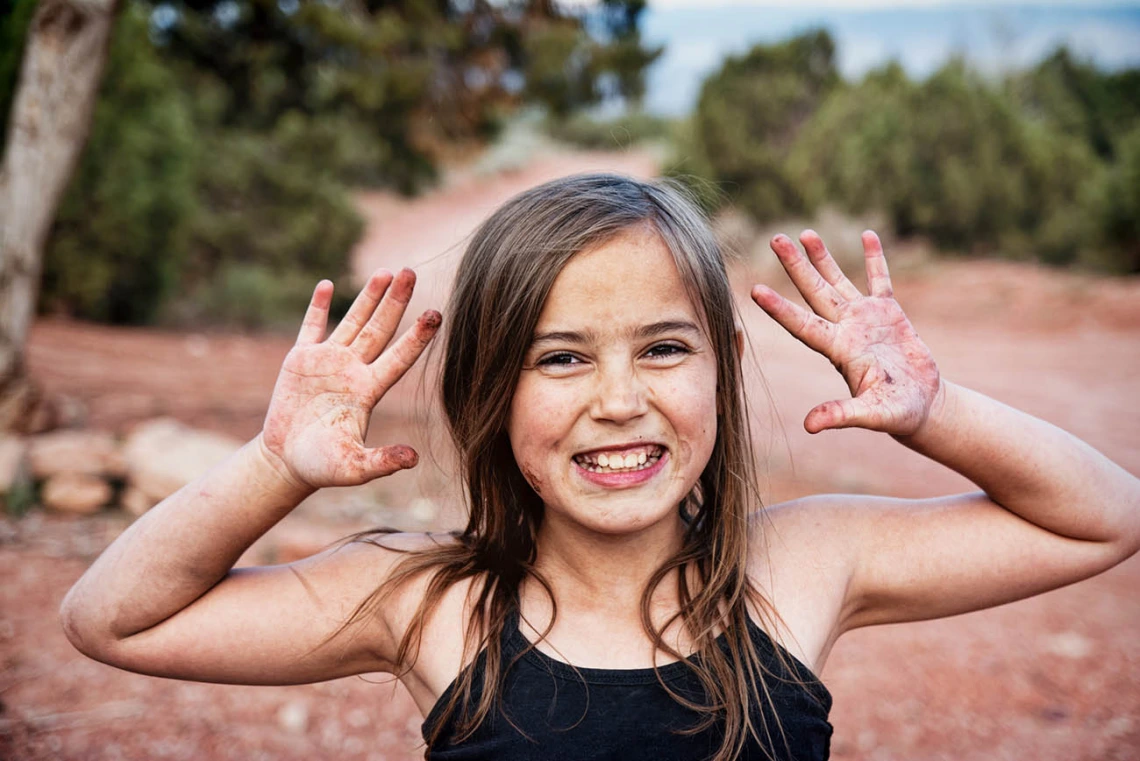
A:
{"points": [[620, 394]]}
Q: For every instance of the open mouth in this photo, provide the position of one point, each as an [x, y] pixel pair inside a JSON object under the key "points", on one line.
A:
{"points": [[621, 460]]}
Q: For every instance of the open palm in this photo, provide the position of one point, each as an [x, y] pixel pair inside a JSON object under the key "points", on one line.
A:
{"points": [[318, 416], [890, 372]]}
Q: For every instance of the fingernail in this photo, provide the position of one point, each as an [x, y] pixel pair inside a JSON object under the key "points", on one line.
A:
{"points": [[432, 319], [407, 457]]}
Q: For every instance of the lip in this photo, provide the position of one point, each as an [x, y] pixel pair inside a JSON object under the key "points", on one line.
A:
{"points": [[621, 480]]}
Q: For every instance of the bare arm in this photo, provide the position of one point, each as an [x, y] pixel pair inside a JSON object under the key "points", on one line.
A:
{"points": [[164, 598], [1053, 510]]}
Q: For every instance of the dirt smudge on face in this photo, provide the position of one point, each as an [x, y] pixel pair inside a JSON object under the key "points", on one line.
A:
{"points": [[532, 479]]}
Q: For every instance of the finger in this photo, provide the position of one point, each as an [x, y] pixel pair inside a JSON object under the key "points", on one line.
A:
{"points": [[382, 324], [841, 413], [317, 315], [813, 331], [878, 278], [819, 294], [392, 364], [384, 461], [826, 265], [362, 307]]}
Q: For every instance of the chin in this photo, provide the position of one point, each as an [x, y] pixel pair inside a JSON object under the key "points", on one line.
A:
{"points": [[623, 523]]}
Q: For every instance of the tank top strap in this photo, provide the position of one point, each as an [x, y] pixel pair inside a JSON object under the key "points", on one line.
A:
{"points": [[780, 658]]}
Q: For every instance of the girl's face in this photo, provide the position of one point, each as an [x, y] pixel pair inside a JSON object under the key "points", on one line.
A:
{"points": [[614, 415]]}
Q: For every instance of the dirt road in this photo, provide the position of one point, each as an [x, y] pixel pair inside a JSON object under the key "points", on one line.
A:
{"points": [[1051, 678]]}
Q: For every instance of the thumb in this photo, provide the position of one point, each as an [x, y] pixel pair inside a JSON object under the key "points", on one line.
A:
{"points": [[384, 461], [840, 413]]}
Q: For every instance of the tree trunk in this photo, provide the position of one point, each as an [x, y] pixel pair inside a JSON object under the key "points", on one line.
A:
{"points": [[59, 79]]}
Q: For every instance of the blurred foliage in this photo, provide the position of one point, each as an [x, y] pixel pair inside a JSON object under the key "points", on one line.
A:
{"points": [[1076, 98], [120, 238], [565, 70], [1118, 202], [249, 295], [15, 17], [750, 112], [214, 188], [588, 131], [1035, 167], [949, 158]]}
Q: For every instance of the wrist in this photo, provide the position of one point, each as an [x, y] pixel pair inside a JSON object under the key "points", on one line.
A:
{"points": [[941, 410], [274, 475]]}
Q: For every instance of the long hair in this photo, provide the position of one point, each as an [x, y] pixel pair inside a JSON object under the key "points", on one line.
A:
{"points": [[501, 286]]}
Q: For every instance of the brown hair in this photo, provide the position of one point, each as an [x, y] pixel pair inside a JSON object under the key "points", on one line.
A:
{"points": [[500, 289]]}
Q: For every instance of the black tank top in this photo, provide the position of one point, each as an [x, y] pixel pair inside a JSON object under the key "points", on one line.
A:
{"points": [[550, 710]]}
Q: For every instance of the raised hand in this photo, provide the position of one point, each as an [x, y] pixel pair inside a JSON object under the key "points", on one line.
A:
{"points": [[318, 416], [892, 376]]}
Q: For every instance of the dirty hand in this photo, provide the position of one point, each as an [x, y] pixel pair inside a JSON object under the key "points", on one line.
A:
{"points": [[892, 376], [318, 416]]}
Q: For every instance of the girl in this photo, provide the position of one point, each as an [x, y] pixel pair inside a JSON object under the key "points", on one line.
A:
{"points": [[618, 592]]}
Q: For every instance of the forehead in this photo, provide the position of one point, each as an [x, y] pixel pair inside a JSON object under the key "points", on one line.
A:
{"points": [[630, 279]]}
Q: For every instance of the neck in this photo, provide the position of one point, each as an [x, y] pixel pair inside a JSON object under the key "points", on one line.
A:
{"points": [[601, 572]]}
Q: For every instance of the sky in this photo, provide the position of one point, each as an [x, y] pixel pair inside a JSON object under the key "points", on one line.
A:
{"points": [[921, 34], [873, 4]]}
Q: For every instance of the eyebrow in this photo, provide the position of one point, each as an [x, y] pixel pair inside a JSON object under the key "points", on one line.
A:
{"points": [[641, 332]]}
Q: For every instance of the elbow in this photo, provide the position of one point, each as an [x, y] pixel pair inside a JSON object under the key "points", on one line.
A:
{"points": [[71, 619], [1127, 542], [80, 629], [1128, 547]]}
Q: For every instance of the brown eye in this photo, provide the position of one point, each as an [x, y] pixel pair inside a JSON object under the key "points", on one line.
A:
{"points": [[559, 359], [667, 350]]}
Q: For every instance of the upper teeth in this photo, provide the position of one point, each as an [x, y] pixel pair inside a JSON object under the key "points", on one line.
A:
{"points": [[630, 458]]}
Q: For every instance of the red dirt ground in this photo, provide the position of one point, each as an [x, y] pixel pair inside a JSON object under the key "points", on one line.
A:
{"points": [[1053, 678]]}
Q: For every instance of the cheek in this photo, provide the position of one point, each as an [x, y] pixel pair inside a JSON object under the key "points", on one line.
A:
{"points": [[532, 478], [539, 422], [536, 415], [693, 409]]}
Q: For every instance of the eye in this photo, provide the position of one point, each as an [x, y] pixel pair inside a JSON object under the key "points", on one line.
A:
{"points": [[667, 350], [558, 359]]}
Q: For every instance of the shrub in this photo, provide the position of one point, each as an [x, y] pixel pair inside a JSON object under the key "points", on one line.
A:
{"points": [[1117, 198], [120, 239], [952, 159], [170, 214], [1044, 165], [586, 131], [749, 114], [266, 201]]}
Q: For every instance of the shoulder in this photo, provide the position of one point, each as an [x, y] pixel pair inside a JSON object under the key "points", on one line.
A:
{"points": [[801, 559], [809, 530], [401, 566], [418, 601]]}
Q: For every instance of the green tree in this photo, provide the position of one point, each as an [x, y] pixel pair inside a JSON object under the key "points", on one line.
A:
{"points": [[1080, 100], [15, 16], [951, 158], [1117, 200], [215, 187], [750, 112], [419, 74], [120, 237]]}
